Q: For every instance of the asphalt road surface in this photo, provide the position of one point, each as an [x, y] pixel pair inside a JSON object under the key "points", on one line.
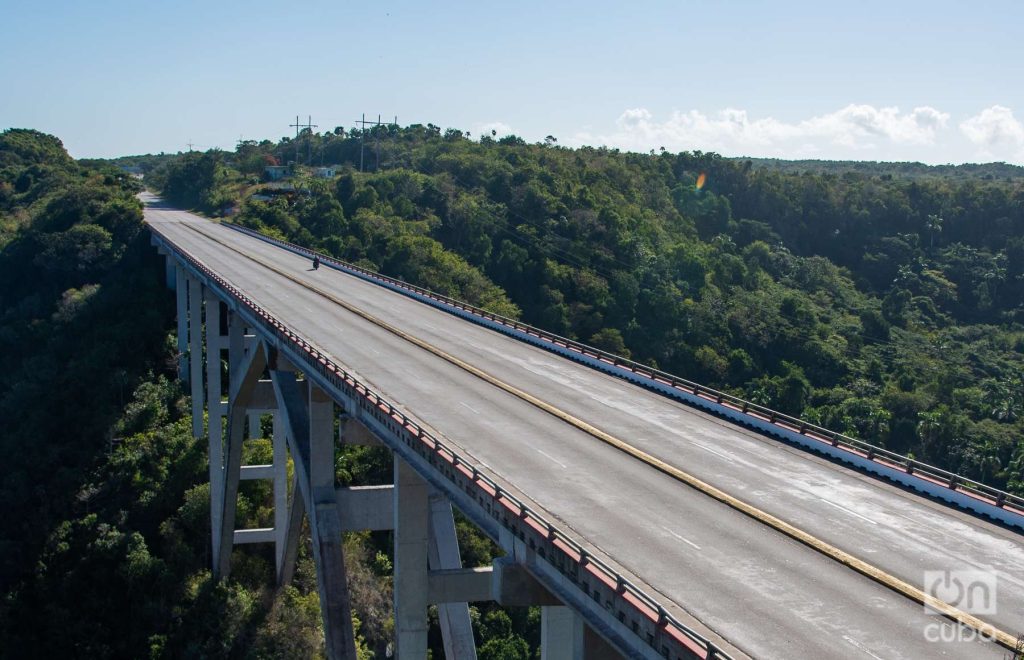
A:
{"points": [[764, 593]]}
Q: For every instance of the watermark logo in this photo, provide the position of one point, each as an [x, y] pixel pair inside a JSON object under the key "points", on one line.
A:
{"points": [[970, 591]]}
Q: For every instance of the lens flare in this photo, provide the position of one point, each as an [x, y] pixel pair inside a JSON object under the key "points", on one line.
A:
{"points": [[701, 178]]}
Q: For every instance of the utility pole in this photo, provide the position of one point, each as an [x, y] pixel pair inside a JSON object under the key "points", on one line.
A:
{"points": [[297, 125], [308, 125], [189, 147], [362, 135]]}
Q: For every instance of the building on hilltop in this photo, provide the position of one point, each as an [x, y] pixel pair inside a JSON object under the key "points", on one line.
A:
{"points": [[277, 172]]}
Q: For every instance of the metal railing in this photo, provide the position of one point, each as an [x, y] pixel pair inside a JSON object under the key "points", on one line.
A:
{"points": [[690, 642], [867, 450]]}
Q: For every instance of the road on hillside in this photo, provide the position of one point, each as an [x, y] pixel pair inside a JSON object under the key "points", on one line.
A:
{"points": [[761, 591]]}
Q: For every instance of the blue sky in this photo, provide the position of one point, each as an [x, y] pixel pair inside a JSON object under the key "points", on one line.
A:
{"points": [[932, 81]]}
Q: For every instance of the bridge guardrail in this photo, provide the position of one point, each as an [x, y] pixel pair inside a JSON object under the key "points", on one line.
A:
{"points": [[556, 547], [932, 480]]}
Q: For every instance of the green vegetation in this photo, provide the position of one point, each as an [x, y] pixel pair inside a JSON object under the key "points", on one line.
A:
{"points": [[880, 300], [105, 551], [883, 301]]}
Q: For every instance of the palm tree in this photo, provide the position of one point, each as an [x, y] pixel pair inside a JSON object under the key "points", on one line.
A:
{"points": [[934, 226]]}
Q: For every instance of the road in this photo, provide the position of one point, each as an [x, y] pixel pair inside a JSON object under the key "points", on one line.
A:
{"points": [[763, 592]]}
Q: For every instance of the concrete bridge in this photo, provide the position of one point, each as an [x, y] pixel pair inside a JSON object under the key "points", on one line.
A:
{"points": [[649, 517]]}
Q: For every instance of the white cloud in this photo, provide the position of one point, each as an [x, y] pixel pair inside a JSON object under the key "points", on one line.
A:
{"points": [[996, 133], [500, 129], [859, 130]]}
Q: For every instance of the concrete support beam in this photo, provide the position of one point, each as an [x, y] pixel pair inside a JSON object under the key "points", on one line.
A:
{"points": [[281, 508], [170, 277], [226, 493], [353, 432], [451, 584], [309, 423], [366, 508], [596, 647], [326, 524], [263, 397], [215, 420], [195, 353], [254, 424], [181, 296], [321, 446], [261, 535], [453, 614], [561, 634], [412, 512], [253, 472], [458, 586], [296, 512], [513, 586]]}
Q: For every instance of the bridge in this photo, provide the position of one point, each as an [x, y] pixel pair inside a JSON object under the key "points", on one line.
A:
{"points": [[649, 517]]}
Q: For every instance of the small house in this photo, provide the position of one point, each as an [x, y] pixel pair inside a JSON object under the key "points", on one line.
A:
{"points": [[276, 172]]}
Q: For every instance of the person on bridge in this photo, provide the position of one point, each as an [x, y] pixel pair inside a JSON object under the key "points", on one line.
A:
{"points": [[316, 261]]}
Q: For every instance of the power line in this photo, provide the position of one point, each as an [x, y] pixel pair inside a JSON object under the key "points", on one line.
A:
{"points": [[362, 134], [309, 125]]}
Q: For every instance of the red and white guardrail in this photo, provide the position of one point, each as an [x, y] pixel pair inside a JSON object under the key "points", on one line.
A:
{"points": [[927, 479], [649, 620]]}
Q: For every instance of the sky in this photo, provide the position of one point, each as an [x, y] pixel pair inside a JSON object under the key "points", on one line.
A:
{"points": [[935, 81]]}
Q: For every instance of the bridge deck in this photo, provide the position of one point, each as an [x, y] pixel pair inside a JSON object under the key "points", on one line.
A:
{"points": [[765, 593]]}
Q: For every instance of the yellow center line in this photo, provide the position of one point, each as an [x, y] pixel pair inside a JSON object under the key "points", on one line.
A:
{"points": [[846, 559]]}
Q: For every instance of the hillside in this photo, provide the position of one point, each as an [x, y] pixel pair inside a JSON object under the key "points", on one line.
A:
{"points": [[885, 306], [104, 552]]}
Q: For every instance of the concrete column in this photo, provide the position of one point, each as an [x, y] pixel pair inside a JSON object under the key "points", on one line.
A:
{"points": [[281, 510], [236, 348], [254, 425], [214, 415], [195, 353], [456, 627], [561, 634], [332, 582], [412, 511], [181, 288], [321, 448], [296, 511], [170, 277], [224, 482]]}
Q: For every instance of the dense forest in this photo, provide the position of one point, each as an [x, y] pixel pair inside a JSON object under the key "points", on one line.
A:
{"points": [[104, 551], [882, 300]]}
